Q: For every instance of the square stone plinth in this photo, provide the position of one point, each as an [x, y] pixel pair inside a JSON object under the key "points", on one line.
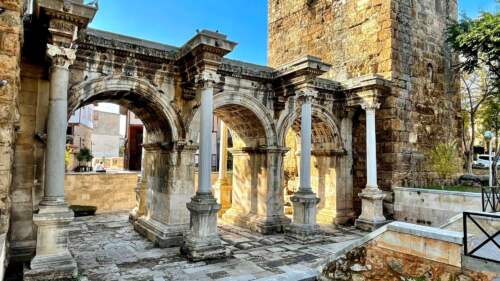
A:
{"points": [[304, 228], [162, 235], [202, 241], [372, 216]]}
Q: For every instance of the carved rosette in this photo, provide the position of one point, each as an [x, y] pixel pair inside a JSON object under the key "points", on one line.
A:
{"points": [[207, 79], [307, 95], [60, 56]]}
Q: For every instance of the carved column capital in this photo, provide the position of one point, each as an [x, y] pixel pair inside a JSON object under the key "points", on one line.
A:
{"points": [[307, 94], [207, 79], [370, 105], [60, 56]]}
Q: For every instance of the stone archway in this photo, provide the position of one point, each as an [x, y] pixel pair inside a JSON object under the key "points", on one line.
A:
{"points": [[166, 186], [136, 94], [256, 194], [328, 162]]}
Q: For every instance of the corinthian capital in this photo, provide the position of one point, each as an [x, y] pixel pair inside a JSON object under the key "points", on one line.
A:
{"points": [[370, 105], [207, 79], [60, 56], [307, 94]]}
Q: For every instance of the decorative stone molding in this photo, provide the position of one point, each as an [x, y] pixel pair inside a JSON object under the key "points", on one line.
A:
{"points": [[370, 105], [207, 79], [307, 94], [60, 56]]}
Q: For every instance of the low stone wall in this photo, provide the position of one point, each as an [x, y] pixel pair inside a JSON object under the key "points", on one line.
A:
{"points": [[402, 251], [432, 207], [109, 192]]}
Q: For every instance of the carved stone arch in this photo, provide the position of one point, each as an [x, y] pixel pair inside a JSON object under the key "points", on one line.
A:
{"points": [[138, 95], [244, 115], [325, 126]]}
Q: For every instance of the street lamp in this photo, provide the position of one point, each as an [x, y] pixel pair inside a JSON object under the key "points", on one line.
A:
{"points": [[488, 136]]}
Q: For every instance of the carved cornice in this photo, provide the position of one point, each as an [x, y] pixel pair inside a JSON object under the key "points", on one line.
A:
{"points": [[60, 56], [107, 40], [367, 90], [69, 11]]}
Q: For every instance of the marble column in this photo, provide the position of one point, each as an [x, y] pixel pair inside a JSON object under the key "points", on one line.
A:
{"points": [[202, 241], [222, 188], [53, 260], [372, 197], [304, 227]]}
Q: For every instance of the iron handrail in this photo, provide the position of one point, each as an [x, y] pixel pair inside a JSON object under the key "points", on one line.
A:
{"points": [[490, 197], [489, 237]]}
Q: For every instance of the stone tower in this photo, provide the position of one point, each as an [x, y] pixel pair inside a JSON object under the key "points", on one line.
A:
{"points": [[400, 40]]}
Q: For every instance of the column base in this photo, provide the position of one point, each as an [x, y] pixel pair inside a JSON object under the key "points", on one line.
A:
{"points": [[202, 241], [304, 228], [162, 235], [372, 215], [54, 267], [270, 225], [53, 261]]}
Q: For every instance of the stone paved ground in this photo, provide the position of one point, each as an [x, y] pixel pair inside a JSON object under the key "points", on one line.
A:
{"points": [[107, 248]]}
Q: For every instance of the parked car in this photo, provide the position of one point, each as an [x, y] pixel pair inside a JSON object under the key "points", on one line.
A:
{"points": [[483, 161]]}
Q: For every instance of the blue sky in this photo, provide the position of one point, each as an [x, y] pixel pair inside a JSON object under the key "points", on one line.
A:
{"points": [[175, 21]]}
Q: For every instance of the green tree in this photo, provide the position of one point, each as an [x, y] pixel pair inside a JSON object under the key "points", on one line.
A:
{"points": [[490, 120], [442, 160], [84, 155], [477, 41]]}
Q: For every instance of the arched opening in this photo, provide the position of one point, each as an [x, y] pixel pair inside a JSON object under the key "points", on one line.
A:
{"points": [[165, 184], [253, 163], [326, 163]]}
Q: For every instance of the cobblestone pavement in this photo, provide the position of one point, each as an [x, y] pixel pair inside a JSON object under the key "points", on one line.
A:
{"points": [[107, 248]]}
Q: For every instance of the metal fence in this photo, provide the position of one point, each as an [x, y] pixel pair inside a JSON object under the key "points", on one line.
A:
{"points": [[485, 244], [491, 199]]}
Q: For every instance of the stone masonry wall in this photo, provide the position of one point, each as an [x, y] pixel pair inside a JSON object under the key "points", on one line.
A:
{"points": [[401, 40], [28, 177], [11, 31], [109, 192], [372, 262]]}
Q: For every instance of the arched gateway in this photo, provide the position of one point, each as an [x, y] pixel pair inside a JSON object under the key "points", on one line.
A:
{"points": [[176, 92]]}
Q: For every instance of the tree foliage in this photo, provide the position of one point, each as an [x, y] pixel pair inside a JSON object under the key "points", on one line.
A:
{"points": [[442, 160], [84, 155], [478, 43]]}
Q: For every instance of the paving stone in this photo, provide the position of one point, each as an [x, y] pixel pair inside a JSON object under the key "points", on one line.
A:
{"points": [[107, 248]]}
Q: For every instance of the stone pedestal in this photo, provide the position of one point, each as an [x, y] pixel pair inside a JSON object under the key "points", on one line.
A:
{"points": [[162, 235], [53, 261], [202, 242], [372, 215], [304, 228]]}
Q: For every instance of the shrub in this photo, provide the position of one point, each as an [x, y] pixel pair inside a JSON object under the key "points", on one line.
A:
{"points": [[443, 160]]}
